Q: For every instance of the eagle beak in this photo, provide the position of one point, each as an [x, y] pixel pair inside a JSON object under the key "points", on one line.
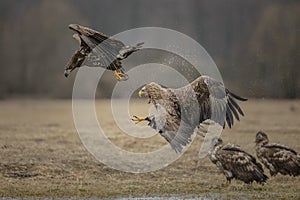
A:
{"points": [[140, 93], [67, 72]]}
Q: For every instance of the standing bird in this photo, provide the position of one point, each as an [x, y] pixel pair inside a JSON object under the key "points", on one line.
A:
{"points": [[276, 157], [236, 163], [99, 50], [178, 112]]}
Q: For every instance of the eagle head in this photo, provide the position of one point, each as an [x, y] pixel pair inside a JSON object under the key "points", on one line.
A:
{"points": [[261, 137], [216, 141], [74, 27], [75, 61], [152, 90]]}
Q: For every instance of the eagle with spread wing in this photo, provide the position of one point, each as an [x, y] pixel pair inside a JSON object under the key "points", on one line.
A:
{"points": [[99, 50], [178, 112], [236, 163], [276, 157]]}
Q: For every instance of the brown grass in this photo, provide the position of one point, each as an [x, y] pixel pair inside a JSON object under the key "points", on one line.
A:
{"points": [[41, 154]]}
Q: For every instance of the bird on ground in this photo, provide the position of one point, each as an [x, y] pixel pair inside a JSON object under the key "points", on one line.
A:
{"points": [[99, 50], [236, 163], [277, 158], [178, 112]]}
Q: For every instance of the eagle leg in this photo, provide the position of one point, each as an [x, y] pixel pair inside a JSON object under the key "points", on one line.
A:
{"points": [[139, 119]]}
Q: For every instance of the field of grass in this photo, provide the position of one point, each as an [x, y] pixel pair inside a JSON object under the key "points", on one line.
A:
{"points": [[41, 155]]}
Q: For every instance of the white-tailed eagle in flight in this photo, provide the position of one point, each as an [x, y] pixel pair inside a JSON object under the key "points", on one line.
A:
{"points": [[180, 111], [99, 50]]}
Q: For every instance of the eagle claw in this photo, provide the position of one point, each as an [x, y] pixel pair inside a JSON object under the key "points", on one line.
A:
{"points": [[138, 119], [119, 75]]}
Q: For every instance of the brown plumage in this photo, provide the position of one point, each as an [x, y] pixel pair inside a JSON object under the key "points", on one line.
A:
{"points": [[235, 163], [276, 157], [99, 50], [180, 111]]}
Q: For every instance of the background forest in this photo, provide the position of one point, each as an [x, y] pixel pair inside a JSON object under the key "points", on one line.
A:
{"points": [[255, 44]]}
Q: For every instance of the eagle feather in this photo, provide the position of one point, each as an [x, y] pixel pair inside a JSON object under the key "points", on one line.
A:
{"points": [[276, 157], [180, 111], [236, 163], [99, 50]]}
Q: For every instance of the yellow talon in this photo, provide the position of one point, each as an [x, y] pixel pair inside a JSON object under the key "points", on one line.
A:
{"points": [[118, 75], [138, 119]]}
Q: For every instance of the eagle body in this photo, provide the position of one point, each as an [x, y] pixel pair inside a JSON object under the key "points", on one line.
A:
{"points": [[180, 111], [276, 157], [99, 50], [235, 163]]}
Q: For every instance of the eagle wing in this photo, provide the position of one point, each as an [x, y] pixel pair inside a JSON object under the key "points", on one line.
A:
{"points": [[97, 37], [216, 102], [280, 158], [240, 164], [167, 121], [103, 49]]}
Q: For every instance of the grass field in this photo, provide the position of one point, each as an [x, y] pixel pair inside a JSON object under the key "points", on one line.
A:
{"points": [[42, 155]]}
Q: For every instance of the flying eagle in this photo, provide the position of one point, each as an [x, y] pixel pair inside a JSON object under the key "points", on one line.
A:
{"points": [[178, 112], [236, 163], [99, 50], [276, 157]]}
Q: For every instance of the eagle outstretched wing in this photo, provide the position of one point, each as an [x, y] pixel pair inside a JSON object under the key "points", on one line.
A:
{"points": [[176, 132], [101, 56], [166, 120], [216, 102], [97, 37], [103, 50]]}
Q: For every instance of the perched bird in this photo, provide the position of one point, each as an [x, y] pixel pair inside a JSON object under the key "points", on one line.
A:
{"points": [[236, 163], [178, 112], [276, 157], [99, 50]]}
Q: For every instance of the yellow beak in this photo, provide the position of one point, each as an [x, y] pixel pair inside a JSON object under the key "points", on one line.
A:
{"points": [[140, 93]]}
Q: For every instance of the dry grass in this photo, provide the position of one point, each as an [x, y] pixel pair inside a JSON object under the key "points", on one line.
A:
{"points": [[41, 155]]}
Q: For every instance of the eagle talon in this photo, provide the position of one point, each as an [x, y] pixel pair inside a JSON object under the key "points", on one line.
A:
{"points": [[138, 119], [119, 75]]}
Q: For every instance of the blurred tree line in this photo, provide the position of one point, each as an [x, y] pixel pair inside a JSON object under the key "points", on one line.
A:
{"points": [[255, 43]]}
